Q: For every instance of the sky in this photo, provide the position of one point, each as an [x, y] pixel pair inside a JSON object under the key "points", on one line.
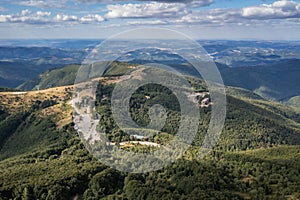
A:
{"points": [[199, 19]]}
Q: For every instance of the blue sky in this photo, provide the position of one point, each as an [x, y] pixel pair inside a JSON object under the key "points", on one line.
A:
{"points": [[200, 19]]}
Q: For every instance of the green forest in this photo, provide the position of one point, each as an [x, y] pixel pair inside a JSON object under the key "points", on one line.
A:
{"points": [[257, 155]]}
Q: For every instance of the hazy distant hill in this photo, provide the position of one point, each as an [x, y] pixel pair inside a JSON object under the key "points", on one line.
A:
{"points": [[275, 81], [148, 55], [19, 64], [30, 53], [13, 73], [251, 53]]}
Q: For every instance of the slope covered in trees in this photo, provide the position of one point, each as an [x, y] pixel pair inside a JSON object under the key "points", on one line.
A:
{"points": [[42, 157]]}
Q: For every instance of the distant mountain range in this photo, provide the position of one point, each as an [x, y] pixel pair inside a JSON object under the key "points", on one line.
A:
{"points": [[148, 55], [251, 53], [20, 64], [53, 55], [278, 82], [270, 69]]}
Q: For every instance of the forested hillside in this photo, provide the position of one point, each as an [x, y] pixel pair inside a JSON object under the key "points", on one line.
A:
{"points": [[42, 157]]}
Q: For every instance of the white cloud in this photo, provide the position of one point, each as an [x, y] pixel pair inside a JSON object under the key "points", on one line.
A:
{"points": [[277, 10], [44, 17], [154, 22], [43, 14], [4, 18], [26, 16], [25, 12], [195, 3], [215, 16], [65, 18], [64, 3], [282, 9], [166, 12], [147, 10], [202, 3], [91, 18], [179, 13]]}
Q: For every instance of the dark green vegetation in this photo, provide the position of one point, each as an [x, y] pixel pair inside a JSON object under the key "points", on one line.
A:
{"points": [[257, 156], [4, 89], [24, 129], [52, 78], [242, 93], [260, 123], [139, 111]]}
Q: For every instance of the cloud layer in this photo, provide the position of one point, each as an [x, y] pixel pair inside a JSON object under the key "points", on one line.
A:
{"points": [[277, 10], [282, 9], [64, 3], [85, 19], [160, 12], [26, 16], [156, 10], [200, 3], [42, 17], [180, 13]]}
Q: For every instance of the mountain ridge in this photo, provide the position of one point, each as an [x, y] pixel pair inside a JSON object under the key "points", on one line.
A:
{"points": [[277, 82]]}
